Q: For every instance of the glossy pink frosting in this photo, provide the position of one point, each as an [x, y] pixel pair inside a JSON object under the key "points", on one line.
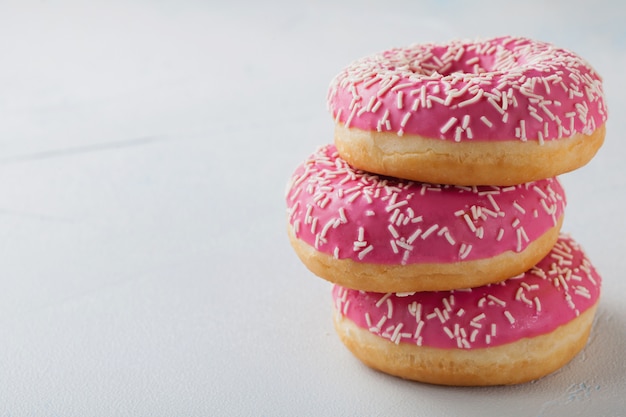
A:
{"points": [[351, 214], [495, 89], [559, 288]]}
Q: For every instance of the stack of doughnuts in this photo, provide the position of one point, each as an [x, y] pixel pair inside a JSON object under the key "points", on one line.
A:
{"points": [[437, 212]]}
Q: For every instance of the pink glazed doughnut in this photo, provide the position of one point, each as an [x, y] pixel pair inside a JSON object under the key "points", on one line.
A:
{"points": [[384, 234], [498, 111], [506, 333]]}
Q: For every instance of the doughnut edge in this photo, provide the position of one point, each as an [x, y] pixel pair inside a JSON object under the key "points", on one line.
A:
{"points": [[423, 277], [513, 363], [503, 163]]}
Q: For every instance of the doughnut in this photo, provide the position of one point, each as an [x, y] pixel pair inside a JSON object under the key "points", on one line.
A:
{"points": [[506, 333], [499, 111], [385, 234]]}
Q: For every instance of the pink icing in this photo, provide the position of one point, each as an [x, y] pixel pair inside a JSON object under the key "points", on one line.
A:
{"points": [[496, 89], [559, 288], [352, 214]]}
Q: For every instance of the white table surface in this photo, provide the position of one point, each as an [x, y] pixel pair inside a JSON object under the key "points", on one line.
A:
{"points": [[144, 151]]}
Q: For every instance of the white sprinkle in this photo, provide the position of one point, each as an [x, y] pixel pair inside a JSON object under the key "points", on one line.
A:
{"points": [[473, 335], [405, 257], [495, 105], [479, 317], [540, 192], [540, 137], [307, 217], [469, 222], [376, 106], [518, 207], [400, 102], [352, 114], [448, 125], [536, 116], [440, 315], [394, 247], [449, 238], [345, 308], [496, 300], [296, 227], [354, 196], [389, 308], [466, 120], [465, 250], [448, 332], [396, 334], [396, 205], [486, 121], [327, 227], [457, 134], [492, 200], [473, 100], [430, 230], [509, 316], [404, 245], [522, 124], [414, 236], [382, 299], [537, 304], [542, 104], [365, 251], [500, 234], [380, 323], [405, 119], [358, 245], [582, 291], [418, 330], [493, 329], [394, 216]]}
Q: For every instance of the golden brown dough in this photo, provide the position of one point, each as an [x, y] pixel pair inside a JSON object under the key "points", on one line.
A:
{"points": [[423, 277], [513, 363], [466, 163]]}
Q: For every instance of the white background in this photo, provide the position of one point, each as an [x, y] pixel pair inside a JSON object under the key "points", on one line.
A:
{"points": [[144, 151]]}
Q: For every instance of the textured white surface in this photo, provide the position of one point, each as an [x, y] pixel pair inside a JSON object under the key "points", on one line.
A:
{"points": [[144, 151]]}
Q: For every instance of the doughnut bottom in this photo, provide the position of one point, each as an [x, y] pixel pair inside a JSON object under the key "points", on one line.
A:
{"points": [[424, 277], [464, 163], [512, 363]]}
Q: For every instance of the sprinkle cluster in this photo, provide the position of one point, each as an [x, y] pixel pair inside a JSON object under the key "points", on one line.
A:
{"points": [[496, 89], [559, 288], [348, 213]]}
